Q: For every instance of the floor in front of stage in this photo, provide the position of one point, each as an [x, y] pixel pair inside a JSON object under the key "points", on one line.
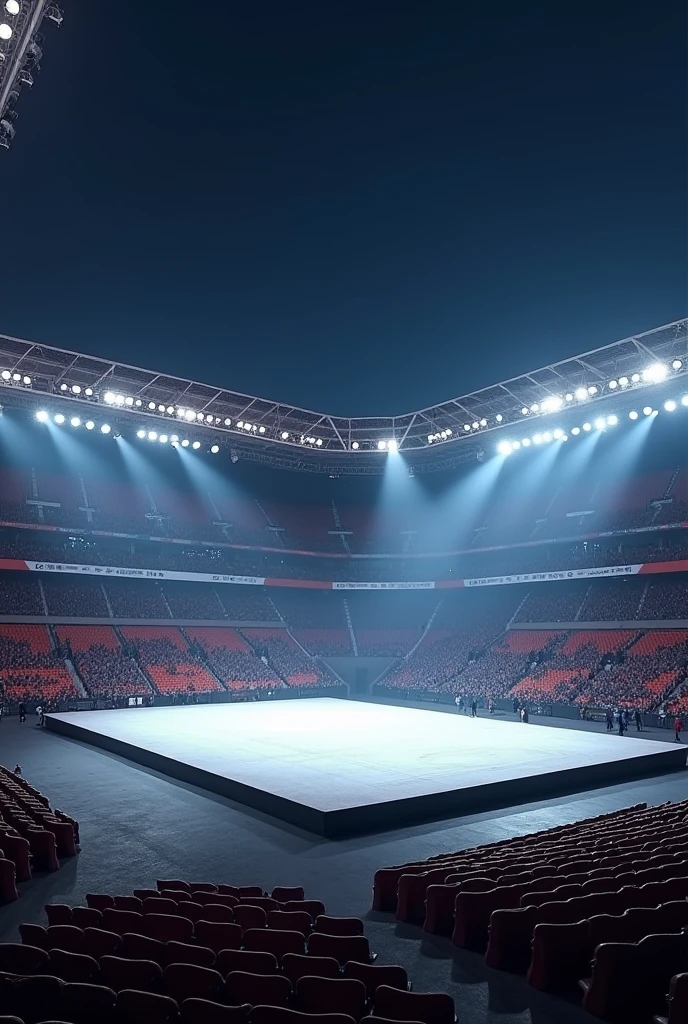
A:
{"points": [[338, 767]]}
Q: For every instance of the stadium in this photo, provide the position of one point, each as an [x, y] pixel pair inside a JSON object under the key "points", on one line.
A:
{"points": [[318, 718]]}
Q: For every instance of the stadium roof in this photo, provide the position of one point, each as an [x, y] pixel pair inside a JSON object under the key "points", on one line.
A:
{"points": [[40, 376]]}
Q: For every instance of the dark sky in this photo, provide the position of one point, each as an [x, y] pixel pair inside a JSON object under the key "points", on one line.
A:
{"points": [[360, 207]]}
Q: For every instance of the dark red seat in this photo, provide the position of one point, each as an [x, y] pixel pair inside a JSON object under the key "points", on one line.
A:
{"points": [[100, 900], [341, 947], [118, 973], [510, 932], [296, 965], [194, 911], [83, 1003], [58, 913], [188, 981], [266, 902], [313, 907], [34, 935], [248, 916], [173, 883], [65, 936], [216, 912], [87, 917], [101, 943], [374, 975], [143, 894], [136, 1007], [129, 903], [287, 893], [18, 958], [331, 995], [677, 1001], [338, 925], [218, 935], [245, 960], [204, 1011], [559, 956], [280, 1015], [158, 905], [141, 947], [291, 920], [189, 953], [273, 940], [72, 966], [122, 921], [166, 927], [428, 1007], [255, 989], [606, 994]]}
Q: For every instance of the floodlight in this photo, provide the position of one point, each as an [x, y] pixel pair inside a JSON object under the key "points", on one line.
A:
{"points": [[6, 375], [76, 390], [163, 439], [26, 380], [196, 445], [623, 381], [215, 449], [170, 410], [483, 423], [524, 410], [587, 426], [576, 431], [89, 424], [526, 442], [89, 392], [499, 417], [12, 6], [537, 438], [5, 31], [475, 425], [553, 403], [106, 428], [670, 405], [189, 415], [175, 444], [381, 445], [449, 431], [261, 430], [547, 437], [581, 394], [569, 397], [119, 399], [59, 419], [613, 385], [285, 436], [600, 424], [515, 445], [129, 400], [633, 415], [199, 415], [504, 448], [592, 390], [635, 378], [247, 426], [138, 403], [16, 377], [677, 364], [141, 434], [558, 434], [185, 443], [228, 422], [209, 418], [647, 411], [152, 435], [319, 442], [655, 373], [75, 421], [466, 426], [393, 445], [109, 398], [151, 406], [612, 421], [42, 416], [684, 400], [355, 446], [534, 407]]}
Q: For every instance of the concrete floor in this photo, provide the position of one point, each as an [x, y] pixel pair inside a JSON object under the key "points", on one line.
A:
{"points": [[137, 826]]}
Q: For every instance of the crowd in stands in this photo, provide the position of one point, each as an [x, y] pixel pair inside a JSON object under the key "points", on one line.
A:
{"points": [[30, 670], [167, 660], [232, 660], [289, 661]]}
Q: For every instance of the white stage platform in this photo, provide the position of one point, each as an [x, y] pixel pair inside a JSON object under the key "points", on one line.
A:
{"points": [[339, 767]]}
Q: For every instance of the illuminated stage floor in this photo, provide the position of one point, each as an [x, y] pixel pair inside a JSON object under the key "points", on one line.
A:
{"points": [[337, 767]]}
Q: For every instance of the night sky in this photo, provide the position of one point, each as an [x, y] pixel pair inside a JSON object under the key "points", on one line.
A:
{"points": [[361, 207]]}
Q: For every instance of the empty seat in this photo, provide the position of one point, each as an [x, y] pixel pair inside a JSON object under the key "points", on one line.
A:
{"points": [[560, 955], [99, 900], [341, 947], [29, 997], [173, 883], [677, 1001], [34, 935], [218, 935], [204, 1011], [137, 1007], [428, 1007], [250, 917], [273, 940], [118, 973], [87, 917], [373, 975], [100, 942], [72, 966], [194, 911], [143, 894], [189, 953], [285, 893], [165, 927], [65, 936], [156, 905], [291, 920], [606, 993], [18, 958], [313, 907], [338, 925], [122, 921], [141, 947], [264, 989], [331, 995], [246, 960], [280, 1015], [134, 903], [188, 981], [84, 1003], [297, 965], [216, 912], [58, 913]]}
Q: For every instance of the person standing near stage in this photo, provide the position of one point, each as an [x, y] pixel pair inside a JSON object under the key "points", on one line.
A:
{"points": [[610, 720], [474, 708], [622, 724], [678, 726], [458, 700], [22, 711], [638, 720]]}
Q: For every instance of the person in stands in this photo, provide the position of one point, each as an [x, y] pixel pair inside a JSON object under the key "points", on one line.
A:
{"points": [[678, 726]]}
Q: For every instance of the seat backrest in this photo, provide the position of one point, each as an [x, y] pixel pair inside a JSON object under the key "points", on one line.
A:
{"points": [[331, 995], [298, 965], [119, 972], [267, 989], [218, 935], [374, 975], [189, 953], [429, 1007], [137, 1007], [184, 981], [246, 960], [338, 925]]}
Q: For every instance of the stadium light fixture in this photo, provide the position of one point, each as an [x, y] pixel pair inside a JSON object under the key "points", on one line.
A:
{"points": [[12, 7], [109, 398], [393, 445], [475, 425], [677, 364], [587, 427], [215, 449], [576, 431], [381, 445], [42, 416], [170, 410], [600, 423], [581, 394], [75, 421], [633, 415], [89, 392], [285, 436], [185, 443], [138, 403], [655, 373], [163, 439], [89, 424], [553, 403], [558, 434], [189, 415], [504, 447], [106, 428], [613, 385], [141, 434], [592, 390], [483, 423], [129, 401], [63, 387], [196, 445], [524, 410], [526, 442], [535, 407], [174, 439], [612, 421], [515, 445], [623, 382], [635, 379], [499, 417], [5, 31], [684, 400], [76, 390], [151, 406], [228, 422], [6, 375], [647, 411], [355, 445], [547, 437], [537, 439], [670, 405], [569, 397], [59, 419], [319, 442], [152, 435]]}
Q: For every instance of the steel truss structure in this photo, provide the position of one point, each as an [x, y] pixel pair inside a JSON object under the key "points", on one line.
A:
{"points": [[20, 54], [36, 376]]}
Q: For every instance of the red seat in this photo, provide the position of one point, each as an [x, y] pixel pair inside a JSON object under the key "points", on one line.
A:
{"points": [[157, 905], [273, 940], [245, 960], [338, 925], [313, 907], [30, 996], [99, 942], [188, 981], [65, 936], [141, 947], [87, 917], [287, 893], [34, 935], [373, 975], [17, 958], [218, 935], [83, 1003], [144, 894], [216, 898], [263, 989], [173, 883], [129, 903], [165, 927], [266, 902], [428, 1007], [72, 966], [119, 973], [280, 1015], [294, 921], [216, 912], [250, 917], [58, 913], [510, 931], [194, 911], [341, 947], [136, 1007], [100, 900], [677, 1001], [122, 921], [297, 965], [203, 1011], [331, 995], [559, 956], [606, 993], [203, 887], [189, 953]]}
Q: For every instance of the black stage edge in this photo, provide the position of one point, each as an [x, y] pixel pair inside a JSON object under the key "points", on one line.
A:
{"points": [[389, 815]]}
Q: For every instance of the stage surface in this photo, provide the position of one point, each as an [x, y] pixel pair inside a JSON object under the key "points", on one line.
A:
{"points": [[339, 767]]}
